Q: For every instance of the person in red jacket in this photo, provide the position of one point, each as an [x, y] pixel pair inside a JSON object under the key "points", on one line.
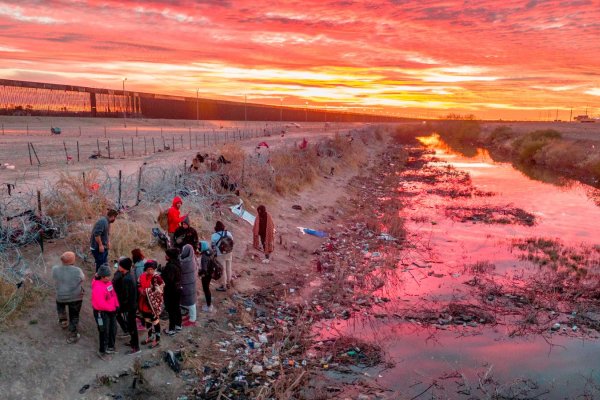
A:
{"points": [[174, 218], [150, 302]]}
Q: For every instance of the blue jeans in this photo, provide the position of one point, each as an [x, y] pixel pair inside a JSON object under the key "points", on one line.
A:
{"points": [[100, 258]]}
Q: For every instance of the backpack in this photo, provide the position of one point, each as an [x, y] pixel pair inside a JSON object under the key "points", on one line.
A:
{"points": [[216, 267], [225, 243], [163, 219]]}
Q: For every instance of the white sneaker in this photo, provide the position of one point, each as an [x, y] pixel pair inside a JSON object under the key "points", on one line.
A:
{"points": [[208, 309], [266, 261]]}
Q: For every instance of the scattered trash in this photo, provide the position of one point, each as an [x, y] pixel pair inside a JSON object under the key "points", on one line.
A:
{"points": [[555, 327], [241, 212], [312, 232], [297, 207], [387, 236], [257, 369], [84, 388], [173, 359]]}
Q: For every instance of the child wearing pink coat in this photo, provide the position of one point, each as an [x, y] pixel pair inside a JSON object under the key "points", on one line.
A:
{"points": [[105, 305]]}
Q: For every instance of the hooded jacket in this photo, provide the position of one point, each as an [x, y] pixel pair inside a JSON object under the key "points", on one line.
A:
{"points": [[104, 297], [189, 268], [174, 217], [126, 290]]}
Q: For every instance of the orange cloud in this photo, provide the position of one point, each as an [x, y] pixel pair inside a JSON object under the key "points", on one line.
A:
{"points": [[508, 60]]}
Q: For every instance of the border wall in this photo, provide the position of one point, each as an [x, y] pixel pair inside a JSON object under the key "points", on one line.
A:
{"points": [[48, 99]]}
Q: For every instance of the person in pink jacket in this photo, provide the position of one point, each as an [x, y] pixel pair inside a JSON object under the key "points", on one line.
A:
{"points": [[105, 305]]}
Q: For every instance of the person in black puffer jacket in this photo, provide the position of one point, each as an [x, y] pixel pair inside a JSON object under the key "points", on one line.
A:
{"points": [[125, 287], [171, 275]]}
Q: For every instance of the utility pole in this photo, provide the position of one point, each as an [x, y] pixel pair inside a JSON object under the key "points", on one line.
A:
{"points": [[125, 106], [571, 115], [197, 107]]}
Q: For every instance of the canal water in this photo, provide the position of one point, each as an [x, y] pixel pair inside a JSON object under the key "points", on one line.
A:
{"points": [[477, 360]]}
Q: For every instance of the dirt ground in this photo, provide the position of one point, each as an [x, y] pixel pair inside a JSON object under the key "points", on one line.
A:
{"points": [[39, 364]]}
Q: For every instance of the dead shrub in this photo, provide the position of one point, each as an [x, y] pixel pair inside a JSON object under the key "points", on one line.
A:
{"points": [[561, 154], [407, 134], [74, 198]]}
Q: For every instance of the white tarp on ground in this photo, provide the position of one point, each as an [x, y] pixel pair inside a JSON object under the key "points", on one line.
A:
{"points": [[240, 212]]}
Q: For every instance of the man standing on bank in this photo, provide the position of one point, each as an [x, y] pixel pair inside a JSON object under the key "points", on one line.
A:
{"points": [[100, 238]]}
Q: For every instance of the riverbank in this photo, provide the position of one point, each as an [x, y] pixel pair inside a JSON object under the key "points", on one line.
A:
{"points": [[569, 149]]}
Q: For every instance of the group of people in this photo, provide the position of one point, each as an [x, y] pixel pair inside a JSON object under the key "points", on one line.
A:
{"points": [[134, 292]]}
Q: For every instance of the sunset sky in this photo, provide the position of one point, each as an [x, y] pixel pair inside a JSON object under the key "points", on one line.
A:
{"points": [[508, 59]]}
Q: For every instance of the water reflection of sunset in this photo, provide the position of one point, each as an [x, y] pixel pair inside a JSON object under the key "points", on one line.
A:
{"points": [[435, 272]]}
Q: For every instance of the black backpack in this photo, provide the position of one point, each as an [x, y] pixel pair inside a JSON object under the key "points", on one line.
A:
{"points": [[215, 268], [225, 243]]}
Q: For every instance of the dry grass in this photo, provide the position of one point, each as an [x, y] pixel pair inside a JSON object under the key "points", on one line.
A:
{"points": [[407, 134], [527, 147], [74, 198]]}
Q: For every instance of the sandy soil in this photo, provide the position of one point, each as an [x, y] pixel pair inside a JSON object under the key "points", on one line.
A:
{"points": [[38, 364]]}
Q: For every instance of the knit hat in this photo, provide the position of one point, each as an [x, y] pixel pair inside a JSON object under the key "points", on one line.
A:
{"points": [[103, 271], [125, 263], [203, 246], [172, 253], [150, 264], [68, 258], [186, 220]]}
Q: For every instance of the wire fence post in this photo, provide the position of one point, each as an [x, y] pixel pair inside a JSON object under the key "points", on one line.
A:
{"points": [[204, 134], [109, 148], [123, 143], [136, 131], [182, 145], [29, 148], [190, 138], [132, 153], [66, 152], [139, 187], [120, 180], [3, 129], [40, 233], [105, 131], [145, 151], [173, 137], [79, 131], [27, 129], [153, 146], [98, 146], [35, 154], [78, 151]]}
